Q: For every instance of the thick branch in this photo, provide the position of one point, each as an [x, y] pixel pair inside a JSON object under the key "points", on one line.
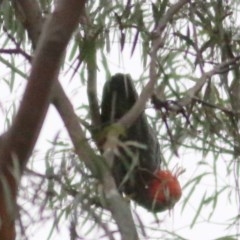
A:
{"points": [[20, 139], [53, 42]]}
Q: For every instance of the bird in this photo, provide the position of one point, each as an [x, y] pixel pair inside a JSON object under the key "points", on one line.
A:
{"points": [[137, 169]]}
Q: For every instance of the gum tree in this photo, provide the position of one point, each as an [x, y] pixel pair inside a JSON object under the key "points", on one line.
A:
{"points": [[188, 69]]}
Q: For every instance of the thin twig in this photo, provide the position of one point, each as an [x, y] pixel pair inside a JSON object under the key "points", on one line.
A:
{"points": [[192, 92]]}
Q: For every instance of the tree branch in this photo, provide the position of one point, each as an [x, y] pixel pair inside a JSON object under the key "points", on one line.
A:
{"points": [[32, 19], [58, 96], [115, 203], [53, 41], [92, 83], [193, 91], [76, 133], [158, 41], [21, 137]]}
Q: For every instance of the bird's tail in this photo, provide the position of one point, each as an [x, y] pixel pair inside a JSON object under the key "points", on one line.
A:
{"points": [[119, 95]]}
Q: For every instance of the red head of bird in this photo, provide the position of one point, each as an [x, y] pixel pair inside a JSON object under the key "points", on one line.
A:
{"points": [[164, 189]]}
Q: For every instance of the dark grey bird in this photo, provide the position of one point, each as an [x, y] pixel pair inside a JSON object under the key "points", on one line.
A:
{"points": [[136, 167]]}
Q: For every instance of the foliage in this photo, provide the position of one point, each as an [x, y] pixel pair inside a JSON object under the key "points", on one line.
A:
{"points": [[196, 109]]}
